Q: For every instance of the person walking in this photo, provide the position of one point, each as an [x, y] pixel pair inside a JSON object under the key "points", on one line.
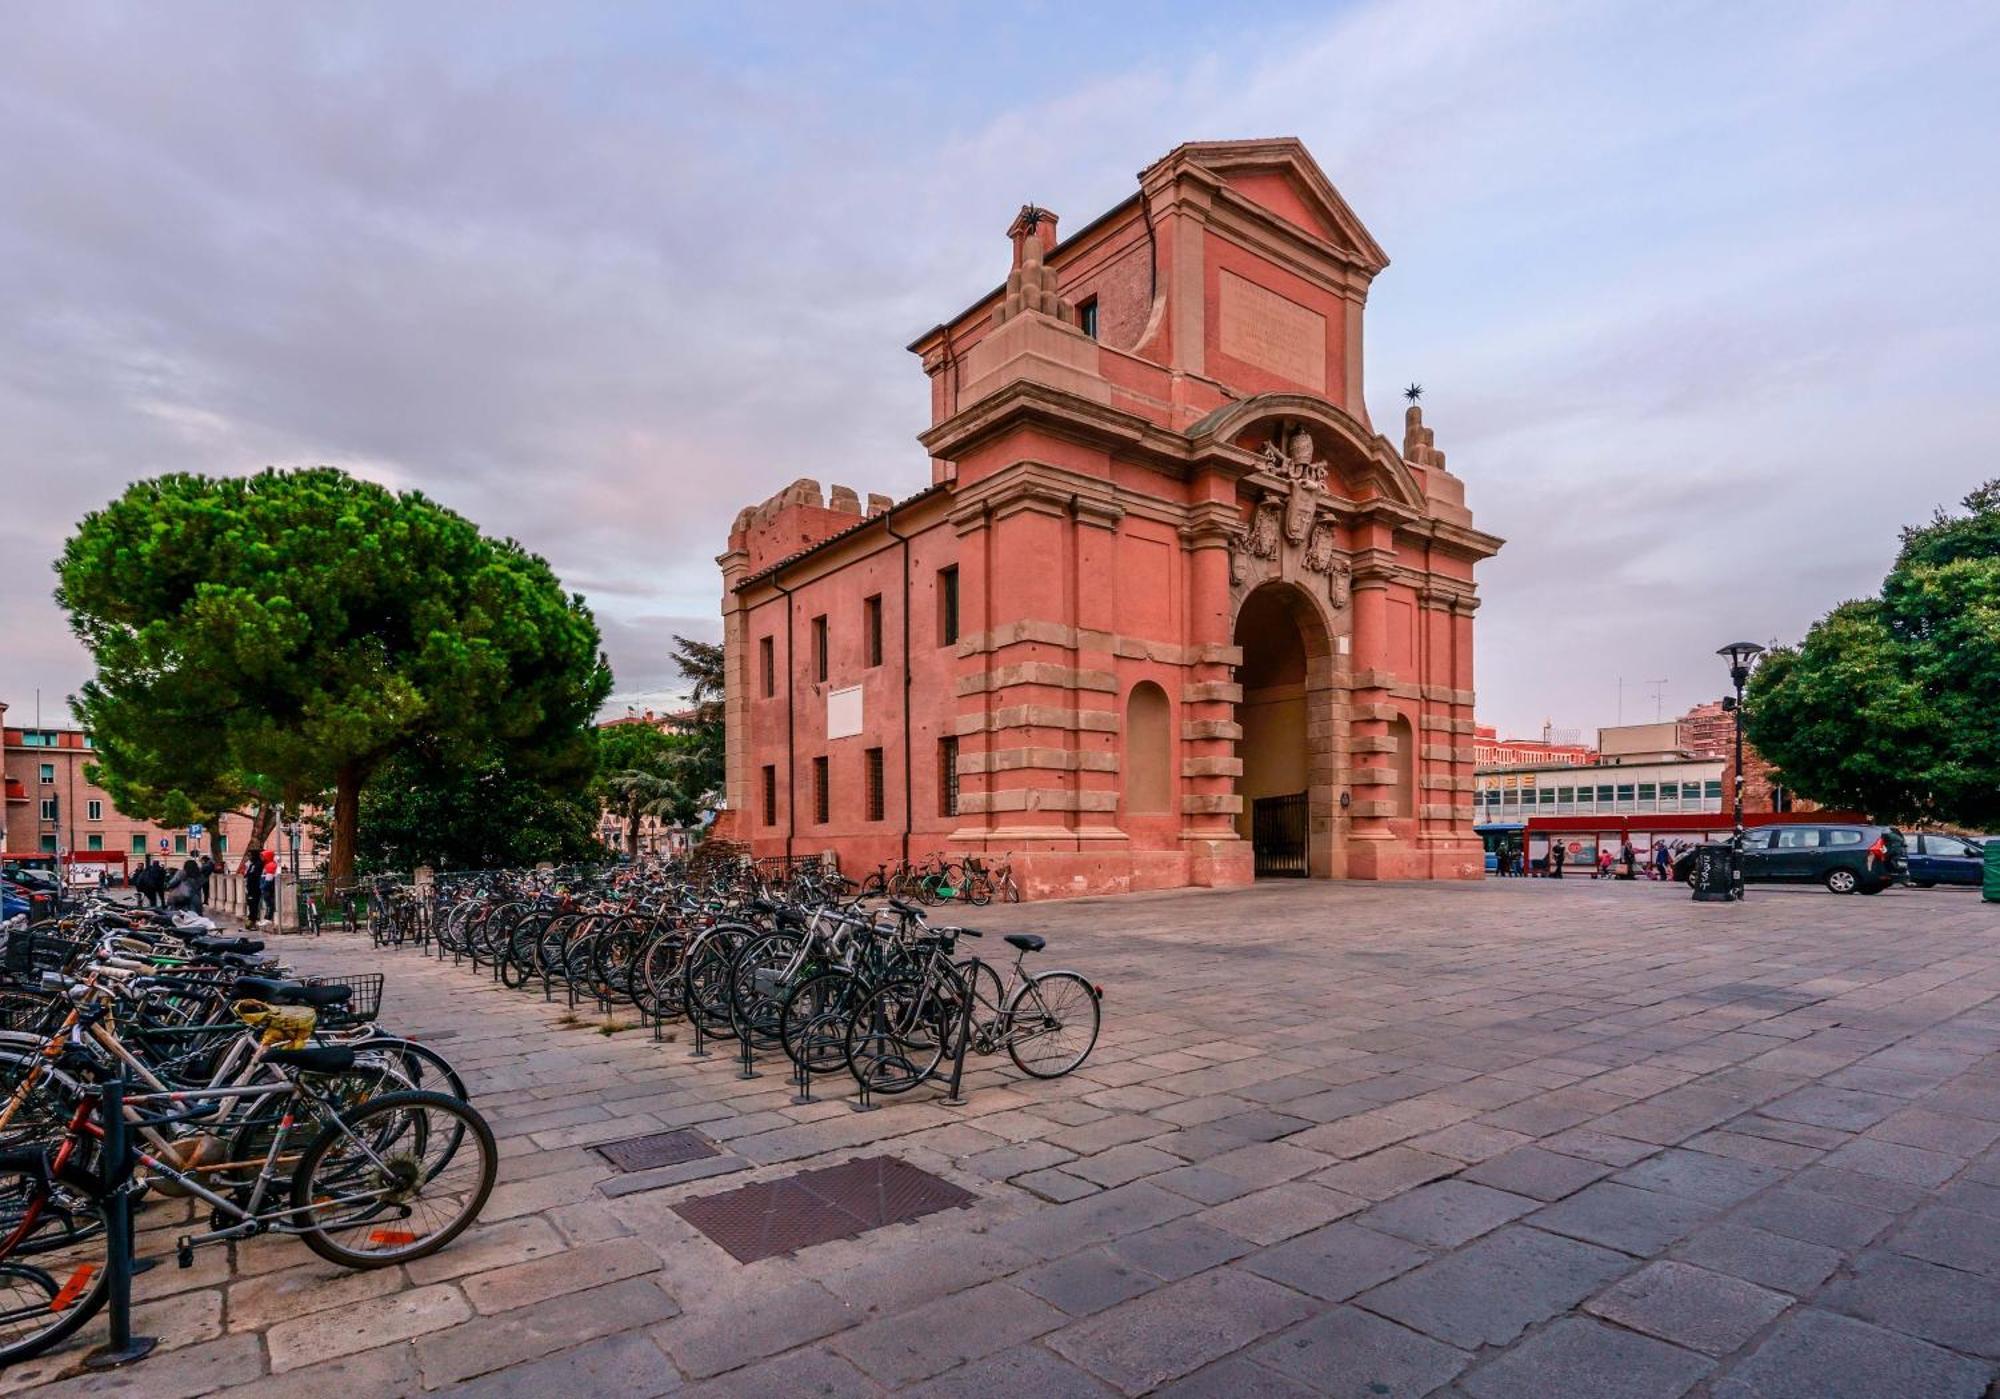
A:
{"points": [[208, 871], [1629, 858], [271, 886], [1663, 861], [1556, 857], [252, 871], [1603, 862]]}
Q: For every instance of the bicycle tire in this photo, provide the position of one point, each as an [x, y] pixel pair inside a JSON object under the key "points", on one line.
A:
{"points": [[1057, 994], [311, 1193]]}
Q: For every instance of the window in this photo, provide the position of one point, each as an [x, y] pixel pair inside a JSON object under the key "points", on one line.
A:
{"points": [[1604, 794], [93, 810], [1690, 791], [222, 842], [138, 845], [1798, 838], [48, 808], [48, 774], [1712, 790], [876, 804], [770, 795], [93, 842], [948, 777], [822, 798], [48, 845], [1565, 795], [180, 845], [871, 627], [38, 738], [767, 666], [1648, 792], [1086, 316], [819, 649], [1840, 837], [947, 596], [1625, 792]]}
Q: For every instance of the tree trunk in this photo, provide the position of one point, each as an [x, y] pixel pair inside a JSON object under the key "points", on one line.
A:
{"points": [[632, 828], [262, 824], [346, 825]]}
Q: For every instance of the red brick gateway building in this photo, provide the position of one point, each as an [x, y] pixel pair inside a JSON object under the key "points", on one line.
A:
{"points": [[1171, 612]]}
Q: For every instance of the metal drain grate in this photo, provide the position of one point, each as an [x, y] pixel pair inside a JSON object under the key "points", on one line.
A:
{"points": [[816, 1207], [659, 1149]]}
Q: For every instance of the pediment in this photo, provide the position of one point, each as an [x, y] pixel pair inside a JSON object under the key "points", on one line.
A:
{"points": [[1280, 177]]}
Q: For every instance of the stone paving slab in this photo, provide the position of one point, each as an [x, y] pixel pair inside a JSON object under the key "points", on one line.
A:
{"points": [[1518, 1138]]}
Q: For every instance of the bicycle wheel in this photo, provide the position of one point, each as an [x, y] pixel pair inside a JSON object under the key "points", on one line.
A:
{"points": [[896, 1039], [55, 1253], [1051, 1024], [757, 986], [394, 1180], [657, 982], [812, 1025]]}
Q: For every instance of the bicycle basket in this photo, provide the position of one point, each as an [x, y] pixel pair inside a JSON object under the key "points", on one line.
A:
{"points": [[30, 953], [364, 1002]]}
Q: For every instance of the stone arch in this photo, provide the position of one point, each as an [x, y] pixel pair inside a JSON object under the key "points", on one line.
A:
{"points": [[1286, 743], [1149, 750]]}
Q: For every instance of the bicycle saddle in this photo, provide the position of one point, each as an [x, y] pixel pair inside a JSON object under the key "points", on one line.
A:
{"points": [[314, 1059], [288, 993], [1027, 942], [908, 910], [242, 945]]}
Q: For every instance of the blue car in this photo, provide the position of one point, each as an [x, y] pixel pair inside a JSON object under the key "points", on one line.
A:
{"points": [[1937, 858], [13, 901]]}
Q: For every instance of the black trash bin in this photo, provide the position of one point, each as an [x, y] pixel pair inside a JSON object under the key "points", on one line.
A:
{"points": [[1715, 878]]}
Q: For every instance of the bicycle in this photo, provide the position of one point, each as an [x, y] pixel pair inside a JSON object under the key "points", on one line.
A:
{"points": [[902, 1031]]}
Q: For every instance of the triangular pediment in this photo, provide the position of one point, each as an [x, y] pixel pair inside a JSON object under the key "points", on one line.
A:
{"points": [[1281, 178]]}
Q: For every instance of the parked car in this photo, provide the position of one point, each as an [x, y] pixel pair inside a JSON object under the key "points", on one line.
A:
{"points": [[1937, 858], [1846, 859], [13, 901]]}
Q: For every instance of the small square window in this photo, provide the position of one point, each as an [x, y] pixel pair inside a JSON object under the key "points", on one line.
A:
{"points": [[138, 845], [48, 774], [93, 842], [94, 810], [48, 808], [1086, 316]]}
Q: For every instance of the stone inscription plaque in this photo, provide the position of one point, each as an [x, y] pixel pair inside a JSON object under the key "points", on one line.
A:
{"points": [[1273, 332]]}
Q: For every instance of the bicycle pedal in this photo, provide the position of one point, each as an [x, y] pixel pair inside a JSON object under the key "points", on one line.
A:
{"points": [[183, 1254]]}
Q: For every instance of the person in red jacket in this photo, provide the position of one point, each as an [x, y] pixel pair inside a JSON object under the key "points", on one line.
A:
{"points": [[271, 886]]}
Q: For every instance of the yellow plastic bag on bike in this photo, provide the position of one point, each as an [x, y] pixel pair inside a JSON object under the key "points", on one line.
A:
{"points": [[278, 1027]]}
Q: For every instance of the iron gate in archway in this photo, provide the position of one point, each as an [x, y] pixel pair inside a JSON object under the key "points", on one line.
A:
{"points": [[1278, 828]]}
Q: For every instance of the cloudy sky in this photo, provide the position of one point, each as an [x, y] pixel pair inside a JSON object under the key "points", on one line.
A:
{"points": [[1704, 296]]}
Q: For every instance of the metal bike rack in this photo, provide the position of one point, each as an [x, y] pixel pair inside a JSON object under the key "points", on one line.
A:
{"points": [[123, 1348]]}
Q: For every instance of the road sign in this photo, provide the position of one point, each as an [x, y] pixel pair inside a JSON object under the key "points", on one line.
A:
{"points": [[194, 831], [163, 842]]}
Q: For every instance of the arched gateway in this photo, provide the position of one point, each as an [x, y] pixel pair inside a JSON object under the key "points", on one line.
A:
{"points": [[1171, 611]]}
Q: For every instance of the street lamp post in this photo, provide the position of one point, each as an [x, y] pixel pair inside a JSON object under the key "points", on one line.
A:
{"points": [[1739, 655]]}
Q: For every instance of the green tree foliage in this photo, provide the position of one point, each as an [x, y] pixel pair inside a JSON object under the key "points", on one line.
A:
{"points": [[286, 634], [423, 808], [701, 665], [637, 766], [1891, 705]]}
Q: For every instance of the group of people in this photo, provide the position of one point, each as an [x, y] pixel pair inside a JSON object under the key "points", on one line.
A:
{"points": [[188, 886], [1626, 863]]}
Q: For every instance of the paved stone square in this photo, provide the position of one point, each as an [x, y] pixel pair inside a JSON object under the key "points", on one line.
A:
{"points": [[1518, 1138]]}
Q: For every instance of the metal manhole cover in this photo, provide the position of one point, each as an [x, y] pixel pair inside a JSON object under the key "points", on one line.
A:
{"points": [[658, 1149], [816, 1207]]}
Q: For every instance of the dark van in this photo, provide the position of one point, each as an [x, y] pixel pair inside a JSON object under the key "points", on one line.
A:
{"points": [[1846, 859]]}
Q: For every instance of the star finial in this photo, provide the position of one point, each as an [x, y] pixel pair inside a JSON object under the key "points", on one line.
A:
{"points": [[1414, 392]]}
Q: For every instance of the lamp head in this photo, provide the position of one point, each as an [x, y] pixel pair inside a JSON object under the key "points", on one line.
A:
{"points": [[1740, 653]]}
